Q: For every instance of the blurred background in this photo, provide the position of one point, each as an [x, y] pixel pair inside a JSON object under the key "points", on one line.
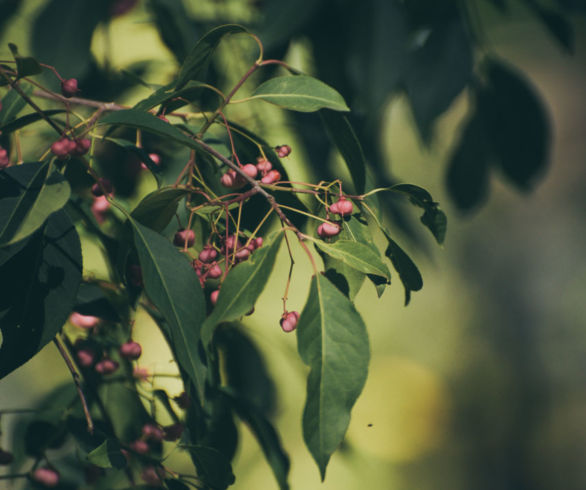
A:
{"points": [[481, 381]]}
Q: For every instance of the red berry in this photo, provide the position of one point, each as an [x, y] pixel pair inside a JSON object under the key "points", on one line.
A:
{"points": [[106, 366], [102, 184], [131, 350], [257, 242], [231, 243], [69, 87], [83, 321], [328, 229], [153, 432], [263, 165], [62, 147], [271, 177], [343, 207], [289, 321], [173, 431], [250, 170], [208, 254], [283, 151], [214, 296], [214, 272], [139, 446], [85, 357], [82, 146], [6, 457], [243, 254], [46, 476], [182, 236]]}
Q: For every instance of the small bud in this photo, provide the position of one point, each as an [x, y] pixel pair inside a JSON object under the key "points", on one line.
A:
{"points": [[343, 207], [214, 272], [208, 254], [328, 229], [283, 151], [173, 431], [83, 321], [104, 184], [6, 457], [69, 87], [131, 350], [85, 357], [250, 170], [214, 296], [139, 446], [184, 235], [271, 177], [289, 321], [106, 366], [152, 432], [46, 476], [263, 165]]}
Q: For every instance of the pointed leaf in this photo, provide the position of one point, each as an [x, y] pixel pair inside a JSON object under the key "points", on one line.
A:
{"points": [[300, 93], [158, 207], [172, 285], [27, 119], [242, 287], [189, 92], [408, 272], [341, 133], [13, 103], [25, 65], [332, 340], [213, 468], [107, 455], [201, 53], [29, 197]]}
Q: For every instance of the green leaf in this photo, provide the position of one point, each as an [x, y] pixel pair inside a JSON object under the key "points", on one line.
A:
{"points": [[25, 65], [433, 217], [300, 93], [107, 455], [213, 468], [343, 136], [44, 277], [332, 340], [408, 272], [158, 207], [29, 197], [557, 25], [172, 285], [174, 25], [242, 287], [201, 53], [13, 103], [140, 152], [92, 300], [191, 91], [27, 119]]}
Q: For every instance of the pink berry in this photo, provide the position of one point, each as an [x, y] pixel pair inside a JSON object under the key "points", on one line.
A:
{"points": [[139, 446], [46, 476], [258, 242], [156, 159], [82, 146], [214, 272], [232, 180], [100, 208], [208, 254], [151, 476], [83, 321], [153, 432], [69, 87], [243, 254], [104, 184], [263, 165], [182, 236], [271, 177], [62, 147], [214, 296], [289, 321], [328, 229], [85, 357], [131, 350], [173, 431], [283, 151], [106, 366], [343, 207], [6, 457], [250, 170], [4, 160], [231, 243]]}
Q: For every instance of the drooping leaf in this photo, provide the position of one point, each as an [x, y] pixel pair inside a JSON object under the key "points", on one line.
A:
{"points": [[242, 287], [201, 53], [408, 271], [27, 119], [212, 467], [25, 65], [158, 207], [191, 91], [300, 93], [45, 275], [343, 136], [29, 197], [107, 455], [332, 340], [172, 285]]}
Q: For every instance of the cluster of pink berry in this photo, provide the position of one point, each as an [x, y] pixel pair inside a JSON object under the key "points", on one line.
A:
{"points": [[65, 147], [233, 180], [342, 207]]}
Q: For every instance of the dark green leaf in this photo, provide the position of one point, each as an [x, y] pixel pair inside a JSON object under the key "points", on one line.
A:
{"points": [[300, 93], [212, 467], [42, 435], [190, 92], [332, 340], [91, 300], [408, 272], [176, 485], [201, 53], [172, 285], [29, 197], [27, 119], [343, 136], [242, 287], [174, 25], [107, 455], [45, 276], [557, 25], [25, 65], [7, 10], [140, 152], [12, 104], [158, 207]]}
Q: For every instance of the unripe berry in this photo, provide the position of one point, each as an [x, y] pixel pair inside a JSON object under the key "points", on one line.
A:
{"points": [[289, 321], [263, 165], [214, 272], [104, 184], [6, 457], [283, 151], [152, 432], [83, 321], [271, 177], [343, 207], [250, 170], [131, 350], [139, 446], [182, 235], [69, 87], [208, 254], [85, 357], [173, 431], [327, 229], [106, 366], [46, 476], [214, 296], [82, 146]]}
